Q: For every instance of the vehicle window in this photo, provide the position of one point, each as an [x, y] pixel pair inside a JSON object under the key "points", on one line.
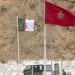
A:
{"points": [[38, 68], [28, 68], [41, 67], [48, 68], [56, 68]]}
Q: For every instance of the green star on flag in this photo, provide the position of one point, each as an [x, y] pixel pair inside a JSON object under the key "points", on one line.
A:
{"points": [[60, 15]]}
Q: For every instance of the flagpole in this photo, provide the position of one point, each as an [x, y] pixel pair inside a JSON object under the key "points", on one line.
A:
{"points": [[18, 42], [44, 42], [51, 51]]}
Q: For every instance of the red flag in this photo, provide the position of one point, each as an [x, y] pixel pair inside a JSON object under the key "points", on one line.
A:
{"points": [[59, 16]]}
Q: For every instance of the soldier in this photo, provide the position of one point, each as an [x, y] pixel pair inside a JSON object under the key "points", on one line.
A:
{"points": [[64, 73]]}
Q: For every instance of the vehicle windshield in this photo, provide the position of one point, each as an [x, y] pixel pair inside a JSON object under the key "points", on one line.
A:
{"points": [[28, 68], [48, 68]]}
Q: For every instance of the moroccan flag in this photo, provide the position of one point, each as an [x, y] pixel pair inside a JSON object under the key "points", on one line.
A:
{"points": [[58, 16], [25, 25]]}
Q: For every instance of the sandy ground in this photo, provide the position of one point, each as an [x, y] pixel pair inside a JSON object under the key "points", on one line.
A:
{"points": [[31, 43]]}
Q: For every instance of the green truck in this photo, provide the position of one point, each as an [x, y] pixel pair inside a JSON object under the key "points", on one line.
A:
{"points": [[39, 69]]}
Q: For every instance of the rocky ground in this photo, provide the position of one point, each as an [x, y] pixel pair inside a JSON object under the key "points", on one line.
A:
{"points": [[31, 43]]}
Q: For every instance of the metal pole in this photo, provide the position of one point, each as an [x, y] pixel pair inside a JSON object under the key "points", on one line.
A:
{"points": [[18, 42], [32, 69], [51, 51], [44, 42]]}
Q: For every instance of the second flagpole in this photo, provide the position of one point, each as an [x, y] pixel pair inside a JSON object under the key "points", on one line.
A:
{"points": [[51, 51], [18, 42], [44, 42]]}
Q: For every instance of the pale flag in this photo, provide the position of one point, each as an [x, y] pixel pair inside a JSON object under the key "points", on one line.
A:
{"points": [[25, 24]]}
